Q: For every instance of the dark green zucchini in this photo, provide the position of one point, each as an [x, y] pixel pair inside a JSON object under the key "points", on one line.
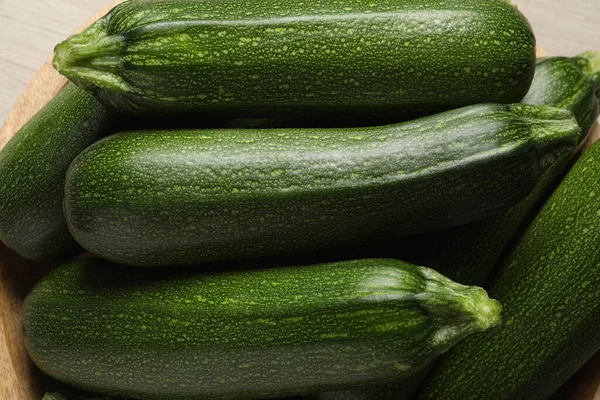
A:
{"points": [[401, 389], [188, 197], [33, 165], [549, 286], [571, 83], [274, 57], [468, 253], [179, 334]]}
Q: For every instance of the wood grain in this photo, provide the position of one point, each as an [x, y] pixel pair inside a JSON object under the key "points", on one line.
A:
{"points": [[18, 377]]}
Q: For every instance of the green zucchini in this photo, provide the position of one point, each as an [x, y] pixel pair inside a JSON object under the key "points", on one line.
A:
{"points": [[468, 253], [571, 83], [549, 286], [180, 334], [397, 390], [189, 197], [33, 165], [273, 57]]}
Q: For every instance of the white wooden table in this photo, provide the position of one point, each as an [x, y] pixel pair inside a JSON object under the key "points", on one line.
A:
{"points": [[29, 30]]}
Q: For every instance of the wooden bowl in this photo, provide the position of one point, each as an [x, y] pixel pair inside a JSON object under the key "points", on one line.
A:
{"points": [[19, 378]]}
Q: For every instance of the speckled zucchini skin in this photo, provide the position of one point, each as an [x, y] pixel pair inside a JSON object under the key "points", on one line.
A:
{"points": [[549, 286], [468, 253], [273, 57], [188, 197], [33, 165], [166, 335], [570, 83]]}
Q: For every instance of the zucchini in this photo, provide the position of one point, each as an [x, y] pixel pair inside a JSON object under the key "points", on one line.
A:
{"points": [[158, 334], [189, 197], [33, 165], [397, 390], [468, 253], [571, 83], [268, 57], [549, 286]]}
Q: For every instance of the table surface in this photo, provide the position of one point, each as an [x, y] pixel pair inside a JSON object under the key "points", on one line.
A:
{"points": [[29, 30]]}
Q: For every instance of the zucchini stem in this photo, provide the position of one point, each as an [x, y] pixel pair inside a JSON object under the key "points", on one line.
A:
{"points": [[460, 310], [92, 60], [554, 130]]}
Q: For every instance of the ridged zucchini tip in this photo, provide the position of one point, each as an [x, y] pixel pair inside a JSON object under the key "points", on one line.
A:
{"points": [[552, 123], [552, 128], [484, 312], [490, 310], [89, 61]]}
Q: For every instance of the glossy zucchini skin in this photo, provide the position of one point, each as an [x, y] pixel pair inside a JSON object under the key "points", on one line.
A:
{"points": [[273, 57], [261, 333], [188, 197], [549, 287], [468, 253], [33, 165]]}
